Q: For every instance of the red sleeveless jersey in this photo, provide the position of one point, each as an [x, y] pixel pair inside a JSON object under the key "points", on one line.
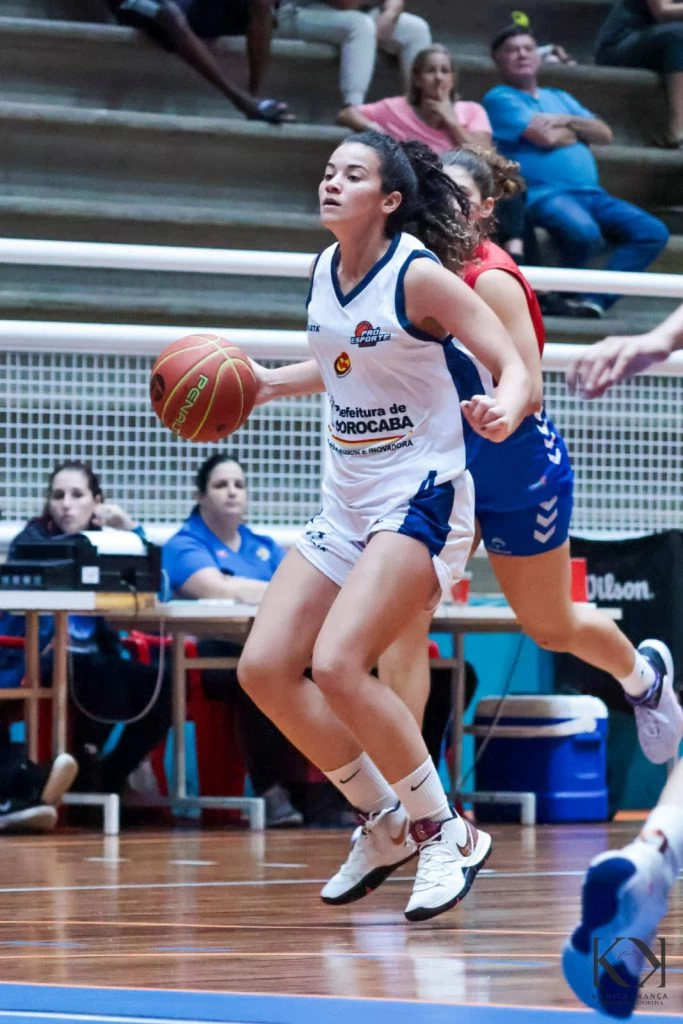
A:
{"points": [[489, 256]]}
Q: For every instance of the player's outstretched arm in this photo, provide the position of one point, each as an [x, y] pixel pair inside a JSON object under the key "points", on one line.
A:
{"points": [[289, 381], [618, 358], [440, 303]]}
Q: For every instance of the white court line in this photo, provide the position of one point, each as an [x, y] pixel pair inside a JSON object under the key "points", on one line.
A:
{"points": [[108, 1018], [275, 864], [490, 873], [108, 860], [194, 863]]}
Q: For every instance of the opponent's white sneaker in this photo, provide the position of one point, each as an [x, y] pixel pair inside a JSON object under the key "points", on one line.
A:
{"points": [[446, 869], [659, 719], [625, 895], [378, 847]]}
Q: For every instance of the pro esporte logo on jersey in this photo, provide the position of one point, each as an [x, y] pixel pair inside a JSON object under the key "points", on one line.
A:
{"points": [[367, 336]]}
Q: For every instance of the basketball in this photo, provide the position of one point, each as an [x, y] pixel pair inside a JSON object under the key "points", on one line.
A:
{"points": [[202, 387]]}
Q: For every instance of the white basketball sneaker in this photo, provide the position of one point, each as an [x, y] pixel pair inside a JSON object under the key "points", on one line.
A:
{"points": [[625, 895], [659, 716], [379, 846], [446, 868]]}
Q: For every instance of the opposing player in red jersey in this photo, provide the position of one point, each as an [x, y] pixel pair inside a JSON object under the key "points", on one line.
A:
{"points": [[523, 504]]}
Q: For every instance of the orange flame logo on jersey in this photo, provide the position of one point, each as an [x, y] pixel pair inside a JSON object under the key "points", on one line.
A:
{"points": [[342, 364]]}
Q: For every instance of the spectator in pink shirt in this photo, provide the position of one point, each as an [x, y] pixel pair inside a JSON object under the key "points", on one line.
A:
{"points": [[431, 112]]}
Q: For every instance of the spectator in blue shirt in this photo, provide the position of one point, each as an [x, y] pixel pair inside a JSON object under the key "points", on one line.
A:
{"points": [[549, 133], [215, 555]]}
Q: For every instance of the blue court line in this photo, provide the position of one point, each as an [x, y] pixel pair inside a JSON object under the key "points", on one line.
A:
{"points": [[45, 1004]]}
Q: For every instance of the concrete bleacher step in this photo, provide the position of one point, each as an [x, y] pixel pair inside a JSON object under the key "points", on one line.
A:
{"points": [[573, 23], [56, 152], [103, 65], [145, 221]]}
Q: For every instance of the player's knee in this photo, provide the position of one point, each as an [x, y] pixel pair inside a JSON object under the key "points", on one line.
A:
{"points": [[331, 673], [555, 636], [256, 672]]}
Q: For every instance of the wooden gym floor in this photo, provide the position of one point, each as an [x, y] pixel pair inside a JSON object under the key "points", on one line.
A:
{"points": [[183, 915]]}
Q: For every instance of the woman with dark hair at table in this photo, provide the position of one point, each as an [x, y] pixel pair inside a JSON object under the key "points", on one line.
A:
{"points": [[216, 555], [107, 689]]}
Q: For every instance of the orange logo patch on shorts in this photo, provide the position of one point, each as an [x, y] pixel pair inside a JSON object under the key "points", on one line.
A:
{"points": [[342, 364]]}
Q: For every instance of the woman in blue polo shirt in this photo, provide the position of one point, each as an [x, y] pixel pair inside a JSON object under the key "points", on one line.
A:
{"points": [[215, 555]]}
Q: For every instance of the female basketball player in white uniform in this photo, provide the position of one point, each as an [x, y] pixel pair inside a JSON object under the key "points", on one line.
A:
{"points": [[397, 517]]}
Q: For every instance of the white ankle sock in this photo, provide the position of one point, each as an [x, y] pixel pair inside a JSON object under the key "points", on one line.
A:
{"points": [[423, 795], [668, 819], [640, 678], [363, 785]]}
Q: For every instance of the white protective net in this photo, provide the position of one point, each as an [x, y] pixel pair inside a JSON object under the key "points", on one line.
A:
{"points": [[627, 448]]}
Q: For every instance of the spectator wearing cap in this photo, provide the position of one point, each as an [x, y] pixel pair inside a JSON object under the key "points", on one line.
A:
{"points": [[549, 133]]}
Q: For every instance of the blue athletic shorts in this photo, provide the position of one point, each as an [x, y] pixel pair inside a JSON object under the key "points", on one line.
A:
{"points": [[528, 531], [524, 490]]}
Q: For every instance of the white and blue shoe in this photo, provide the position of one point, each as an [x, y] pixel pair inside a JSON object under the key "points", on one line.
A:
{"points": [[659, 716], [625, 895]]}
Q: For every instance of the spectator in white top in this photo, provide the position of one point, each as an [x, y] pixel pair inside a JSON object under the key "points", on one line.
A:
{"points": [[358, 28]]}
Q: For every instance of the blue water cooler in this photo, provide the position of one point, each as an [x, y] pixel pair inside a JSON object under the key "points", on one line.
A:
{"points": [[553, 746]]}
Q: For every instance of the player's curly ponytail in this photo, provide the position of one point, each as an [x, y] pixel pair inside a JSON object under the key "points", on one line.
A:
{"points": [[434, 208], [495, 176]]}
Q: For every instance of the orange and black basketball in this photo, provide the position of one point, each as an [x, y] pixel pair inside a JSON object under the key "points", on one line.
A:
{"points": [[202, 387]]}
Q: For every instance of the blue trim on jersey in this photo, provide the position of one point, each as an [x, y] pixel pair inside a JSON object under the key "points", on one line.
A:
{"points": [[429, 513], [310, 283], [467, 382], [400, 297], [344, 300]]}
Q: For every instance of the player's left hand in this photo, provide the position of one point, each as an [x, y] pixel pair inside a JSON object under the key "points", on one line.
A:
{"points": [[488, 417]]}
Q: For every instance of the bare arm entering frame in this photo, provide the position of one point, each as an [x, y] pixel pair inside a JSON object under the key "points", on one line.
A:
{"points": [[290, 381], [618, 358]]}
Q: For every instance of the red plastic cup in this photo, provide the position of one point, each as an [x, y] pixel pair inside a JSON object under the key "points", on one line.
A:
{"points": [[460, 591], [579, 589]]}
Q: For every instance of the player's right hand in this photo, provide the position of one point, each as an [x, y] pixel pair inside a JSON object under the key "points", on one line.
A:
{"points": [[488, 417]]}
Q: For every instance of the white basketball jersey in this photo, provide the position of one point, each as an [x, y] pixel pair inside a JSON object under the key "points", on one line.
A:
{"points": [[393, 390]]}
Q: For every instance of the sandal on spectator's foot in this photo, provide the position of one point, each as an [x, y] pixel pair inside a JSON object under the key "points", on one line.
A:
{"points": [[271, 111]]}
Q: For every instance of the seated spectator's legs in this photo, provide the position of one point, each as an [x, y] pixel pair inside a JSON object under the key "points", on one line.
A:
{"points": [[259, 35], [411, 34], [659, 48], [571, 225], [638, 237], [352, 31], [511, 230], [167, 23], [266, 753], [108, 687]]}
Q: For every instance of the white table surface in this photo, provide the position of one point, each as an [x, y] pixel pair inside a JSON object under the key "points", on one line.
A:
{"points": [[221, 609]]}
